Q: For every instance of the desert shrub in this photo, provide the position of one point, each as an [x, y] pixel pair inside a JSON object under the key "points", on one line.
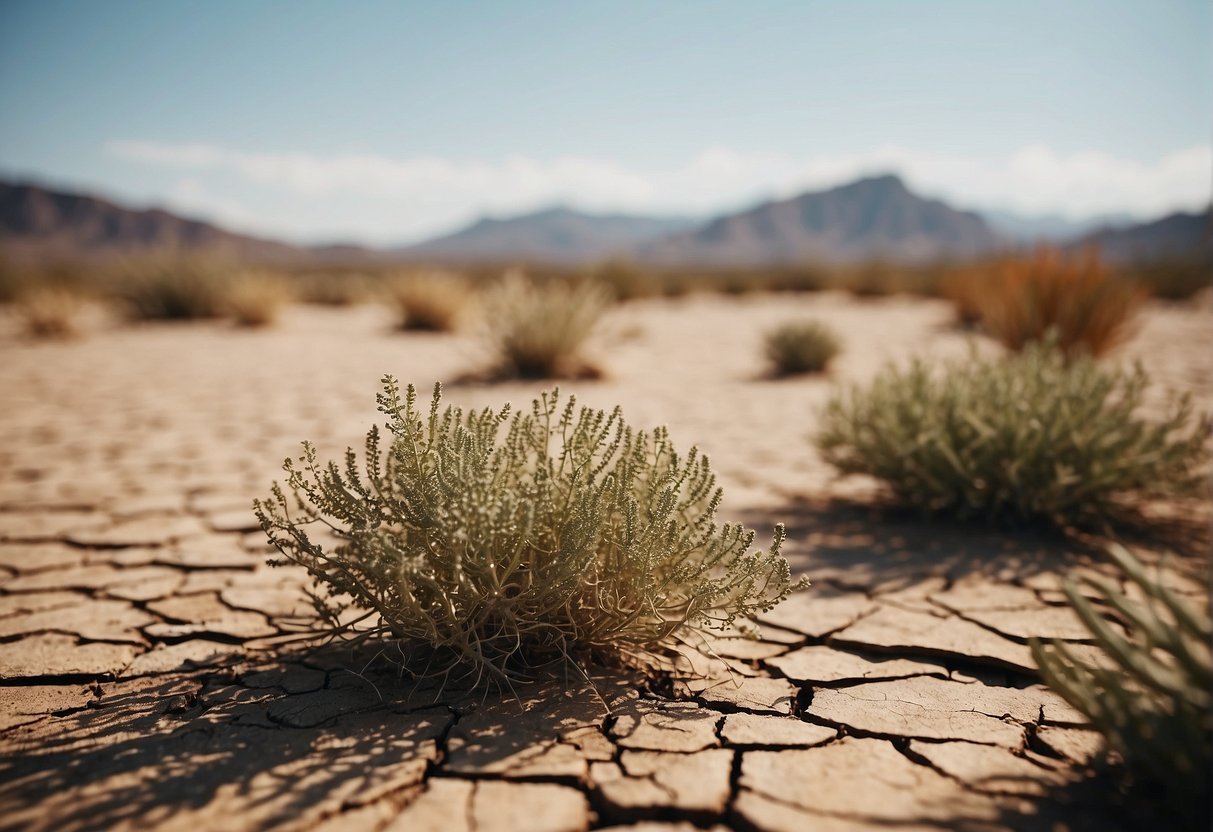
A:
{"points": [[570, 536], [1176, 278], [172, 288], [963, 287], [1074, 296], [1150, 694], [538, 331], [1030, 436], [624, 280], [803, 278], [801, 347], [49, 311], [335, 289], [255, 299], [432, 302]]}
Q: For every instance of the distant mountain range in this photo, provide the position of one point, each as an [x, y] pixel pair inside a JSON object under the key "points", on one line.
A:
{"points": [[556, 235], [875, 217]]}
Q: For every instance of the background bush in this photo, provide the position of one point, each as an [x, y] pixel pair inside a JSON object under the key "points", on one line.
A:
{"points": [[172, 288], [49, 311], [1074, 296], [1150, 696], [1024, 437], [571, 535], [256, 299], [538, 331], [431, 301], [801, 347]]}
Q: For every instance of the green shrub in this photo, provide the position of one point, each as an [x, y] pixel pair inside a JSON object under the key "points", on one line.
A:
{"points": [[1030, 436], [173, 288], [539, 331], [801, 347], [1150, 696], [570, 536], [432, 302]]}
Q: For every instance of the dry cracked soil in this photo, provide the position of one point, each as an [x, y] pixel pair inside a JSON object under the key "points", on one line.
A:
{"points": [[148, 680]]}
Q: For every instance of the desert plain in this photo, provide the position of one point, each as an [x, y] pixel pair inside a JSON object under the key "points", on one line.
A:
{"points": [[147, 681]]}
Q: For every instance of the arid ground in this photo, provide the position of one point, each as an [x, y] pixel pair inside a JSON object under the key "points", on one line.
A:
{"points": [[145, 683]]}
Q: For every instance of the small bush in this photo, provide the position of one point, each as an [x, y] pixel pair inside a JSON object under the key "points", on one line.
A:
{"points": [[433, 302], [1031, 436], [256, 299], [801, 347], [173, 288], [1089, 309], [1150, 696], [964, 289], [571, 536], [337, 289], [539, 331], [49, 312], [624, 281], [1176, 278]]}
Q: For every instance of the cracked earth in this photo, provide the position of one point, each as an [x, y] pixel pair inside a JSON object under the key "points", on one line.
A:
{"points": [[148, 680]]}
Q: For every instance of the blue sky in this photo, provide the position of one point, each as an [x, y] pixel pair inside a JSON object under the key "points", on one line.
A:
{"points": [[384, 122]]}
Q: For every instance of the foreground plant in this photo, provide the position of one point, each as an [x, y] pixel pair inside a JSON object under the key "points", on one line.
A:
{"points": [[801, 347], [1030, 436], [539, 331], [501, 542], [1150, 696]]}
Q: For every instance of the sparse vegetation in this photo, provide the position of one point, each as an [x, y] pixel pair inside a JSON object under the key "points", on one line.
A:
{"points": [[333, 289], [539, 331], [431, 301], [256, 299], [1075, 297], [49, 311], [572, 536], [172, 288], [1031, 436], [1150, 695], [801, 347]]}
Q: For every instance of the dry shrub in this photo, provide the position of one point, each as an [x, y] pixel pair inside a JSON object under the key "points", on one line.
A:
{"points": [[801, 347], [255, 299], [335, 289], [963, 287], [1032, 436], [571, 537], [1073, 296], [172, 287], [538, 331], [431, 301], [1150, 693], [624, 280], [49, 311]]}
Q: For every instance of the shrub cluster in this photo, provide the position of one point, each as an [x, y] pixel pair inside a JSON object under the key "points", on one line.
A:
{"points": [[1031, 436], [570, 535], [1151, 696], [1074, 297], [172, 288], [801, 347], [255, 299], [538, 331]]}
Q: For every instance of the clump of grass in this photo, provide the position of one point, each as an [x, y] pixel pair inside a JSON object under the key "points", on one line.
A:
{"points": [[173, 288], [1073, 296], [335, 289], [1033, 436], [625, 281], [1151, 695], [49, 311], [801, 347], [570, 536], [430, 302], [256, 299], [539, 331]]}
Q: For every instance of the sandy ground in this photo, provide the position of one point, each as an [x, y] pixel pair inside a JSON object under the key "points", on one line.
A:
{"points": [[141, 687]]}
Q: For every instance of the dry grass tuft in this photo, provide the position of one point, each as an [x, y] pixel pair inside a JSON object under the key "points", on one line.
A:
{"points": [[256, 299], [539, 331], [172, 287], [430, 302], [1088, 309], [49, 311]]}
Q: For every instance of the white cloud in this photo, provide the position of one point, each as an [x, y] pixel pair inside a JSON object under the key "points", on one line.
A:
{"points": [[387, 200]]}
